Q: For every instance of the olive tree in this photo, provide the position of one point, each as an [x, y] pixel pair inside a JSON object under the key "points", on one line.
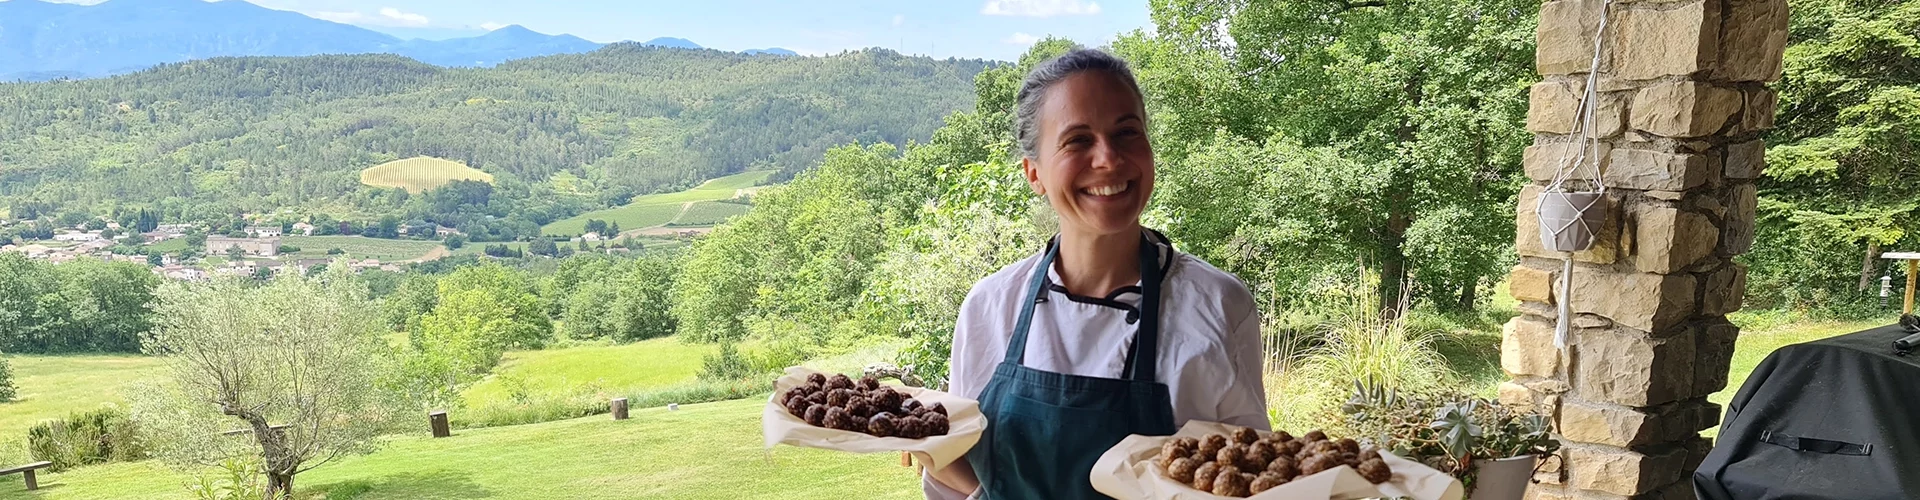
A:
{"points": [[288, 371]]}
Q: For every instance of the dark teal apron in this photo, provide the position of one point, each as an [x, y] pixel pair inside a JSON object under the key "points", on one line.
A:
{"points": [[1045, 429]]}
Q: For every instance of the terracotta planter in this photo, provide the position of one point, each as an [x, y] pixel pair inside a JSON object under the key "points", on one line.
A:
{"points": [[1568, 221], [1503, 479]]}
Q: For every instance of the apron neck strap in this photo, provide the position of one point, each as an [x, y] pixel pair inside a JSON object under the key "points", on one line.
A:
{"points": [[1141, 355]]}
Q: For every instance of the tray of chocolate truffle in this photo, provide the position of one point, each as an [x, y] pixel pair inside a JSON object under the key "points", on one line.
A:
{"points": [[836, 412], [1209, 460]]}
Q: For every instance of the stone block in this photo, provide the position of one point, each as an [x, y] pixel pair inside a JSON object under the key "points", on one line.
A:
{"points": [[1746, 160], [1531, 285], [1542, 162], [1709, 204], [1758, 113], [1754, 40], [1526, 348], [1713, 356], [1737, 231], [1641, 301], [1565, 36], [1553, 107], [1609, 425], [1606, 244], [1515, 396], [1590, 321], [1725, 290], [1684, 108], [1623, 472], [1666, 240], [1666, 41], [1537, 492], [1628, 368], [1654, 170]]}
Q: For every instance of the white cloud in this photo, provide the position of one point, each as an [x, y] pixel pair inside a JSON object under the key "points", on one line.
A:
{"points": [[403, 18], [388, 16], [899, 19], [490, 26], [1021, 39], [1039, 8]]}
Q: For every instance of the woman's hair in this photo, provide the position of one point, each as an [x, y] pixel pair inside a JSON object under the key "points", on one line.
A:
{"points": [[1026, 108]]}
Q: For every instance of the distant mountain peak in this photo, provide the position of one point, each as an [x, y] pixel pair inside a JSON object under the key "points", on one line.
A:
{"points": [[514, 29], [678, 43], [776, 51]]}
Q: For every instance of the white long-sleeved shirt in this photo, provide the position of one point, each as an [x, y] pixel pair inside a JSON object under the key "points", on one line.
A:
{"points": [[1210, 352]]}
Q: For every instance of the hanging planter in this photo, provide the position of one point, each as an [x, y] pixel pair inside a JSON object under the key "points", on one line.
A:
{"points": [[1570, 220]]}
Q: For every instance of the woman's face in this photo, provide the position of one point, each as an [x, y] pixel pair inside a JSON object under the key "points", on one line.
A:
{"points": [[1092, 160]]}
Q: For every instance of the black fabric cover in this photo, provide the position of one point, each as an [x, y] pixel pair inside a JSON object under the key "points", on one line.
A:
{"points": [[1833, 418]]}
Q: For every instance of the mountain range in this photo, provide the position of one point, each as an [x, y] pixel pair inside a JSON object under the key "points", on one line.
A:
{"points": [[43, 41]]}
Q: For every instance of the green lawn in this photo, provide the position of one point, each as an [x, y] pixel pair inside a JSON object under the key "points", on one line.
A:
{"points": [[702, 451], [169, 246], [53, 386], [359, 247], [420, 174], [659, 209], [601, 369], [56, 386]]}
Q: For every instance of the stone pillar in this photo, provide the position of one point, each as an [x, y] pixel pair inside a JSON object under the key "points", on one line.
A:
{"points": [[1682, 103]]}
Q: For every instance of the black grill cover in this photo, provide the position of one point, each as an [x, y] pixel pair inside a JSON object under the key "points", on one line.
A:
{"points": [[1833, 418]]}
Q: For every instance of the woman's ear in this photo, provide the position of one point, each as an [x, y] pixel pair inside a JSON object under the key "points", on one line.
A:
{"points": [[1033, 175]]}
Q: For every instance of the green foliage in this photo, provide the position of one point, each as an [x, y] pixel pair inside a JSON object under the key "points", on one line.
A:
{"points": [[478, 313], [236, 479], [297, 351], [625, 300], [1409, 114], [86, 438], [1839, 176], [232, 135], [7, 391], [1447, 430], [86, 305]]}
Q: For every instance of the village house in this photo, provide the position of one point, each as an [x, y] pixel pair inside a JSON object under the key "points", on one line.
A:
{"points": [[264, 247], [303, 228], [77, 236], [264, 231], [443, 231]]}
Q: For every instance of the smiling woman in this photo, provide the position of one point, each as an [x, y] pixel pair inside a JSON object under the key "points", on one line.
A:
{"points": [[1145, 339]]}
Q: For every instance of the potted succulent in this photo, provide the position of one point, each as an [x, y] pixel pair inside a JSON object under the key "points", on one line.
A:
{"points": [[1491, 448]]}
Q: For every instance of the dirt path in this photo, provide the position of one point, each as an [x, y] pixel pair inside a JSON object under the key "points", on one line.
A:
{"points": [[435, 254]]}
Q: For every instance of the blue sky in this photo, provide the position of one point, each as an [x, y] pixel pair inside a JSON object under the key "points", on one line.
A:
{"points": [[992, 29]]}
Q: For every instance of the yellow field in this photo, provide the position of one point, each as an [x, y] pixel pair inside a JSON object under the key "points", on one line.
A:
{"points": [[420, 173]]}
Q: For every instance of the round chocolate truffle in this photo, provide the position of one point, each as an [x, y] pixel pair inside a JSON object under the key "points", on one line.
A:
{"points": [[839, 397], [1203, 476], [1267, 481], [1246, 436], [936, 424], [1376, 471], [817, 415], [839, 381], [869, 383], [1316, 435], [882, 425], [817, 379], [1181, 470], [1232, 484]]}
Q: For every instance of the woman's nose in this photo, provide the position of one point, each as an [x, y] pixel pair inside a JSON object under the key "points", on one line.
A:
{"points": [[1106, 155]]}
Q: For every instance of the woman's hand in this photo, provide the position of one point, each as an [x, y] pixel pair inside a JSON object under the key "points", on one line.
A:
{"points": [[958, 475]]}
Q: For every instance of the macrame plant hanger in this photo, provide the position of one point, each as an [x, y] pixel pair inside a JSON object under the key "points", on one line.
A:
{"points": [[1570, 219]]}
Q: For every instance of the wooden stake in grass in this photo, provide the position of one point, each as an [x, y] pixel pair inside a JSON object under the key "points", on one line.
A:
{"points": [[619, 406], [438, 420], [1913, 271]]}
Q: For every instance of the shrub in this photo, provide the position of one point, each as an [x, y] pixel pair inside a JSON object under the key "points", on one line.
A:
{"points": [[7, 392], [86, 438]]}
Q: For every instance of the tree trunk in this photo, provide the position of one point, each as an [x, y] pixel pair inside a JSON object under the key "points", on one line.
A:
{"points": [[279, 486], [1866, 266], [1469, 295], [1393, 266]]}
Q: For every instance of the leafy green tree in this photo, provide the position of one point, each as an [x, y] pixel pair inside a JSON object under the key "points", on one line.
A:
{"points": [[454, 242], [230, 347], [543, 246], [1423, 102], [1838, 187]]}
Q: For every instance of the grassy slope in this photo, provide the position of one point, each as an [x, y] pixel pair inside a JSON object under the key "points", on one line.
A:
{"points": [[657, 209], [53, 386], [707, 213], [651, 363], [169, 246], [420, 173], [703, 451], [359, 247]]}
